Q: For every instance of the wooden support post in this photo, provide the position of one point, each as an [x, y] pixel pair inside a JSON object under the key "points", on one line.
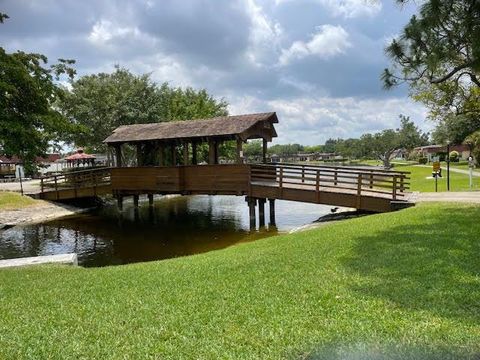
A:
{"points": [[139, 155], [264, 151], [173, 150], [261, 212], [120, 202], [271, 202], [402, 185], [118, 155], [135, 201], [150, 199], [161, 155], [394, 194], [317, 186], [371, 180], [239, 151], [211, 152], [185, 153], [252, 202], [335, 177], [216, 151], [194, 153], [303, 173], [359, 191]]}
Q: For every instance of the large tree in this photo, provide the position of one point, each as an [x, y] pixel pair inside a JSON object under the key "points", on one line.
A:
{"points": [[104, 101], [29, 120], [438, 55]]}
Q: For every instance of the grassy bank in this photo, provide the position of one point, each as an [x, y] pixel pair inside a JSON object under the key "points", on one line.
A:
{"points": [[13, 201], [421, 179], [399, 285]]}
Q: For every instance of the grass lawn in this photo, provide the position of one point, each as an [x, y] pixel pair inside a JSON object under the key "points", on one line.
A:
{"points": [[13, 200], [421, 180], [399, 285]]}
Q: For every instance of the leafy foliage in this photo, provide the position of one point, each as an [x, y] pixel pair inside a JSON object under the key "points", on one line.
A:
{"points": [[29, 120], [102, 102], [438, 55]]}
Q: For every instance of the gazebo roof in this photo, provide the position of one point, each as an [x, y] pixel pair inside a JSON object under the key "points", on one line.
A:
{"points": [[79, 155], [224, 127]]}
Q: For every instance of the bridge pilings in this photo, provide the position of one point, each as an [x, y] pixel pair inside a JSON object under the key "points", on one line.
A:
{"points": [[252, 204]]}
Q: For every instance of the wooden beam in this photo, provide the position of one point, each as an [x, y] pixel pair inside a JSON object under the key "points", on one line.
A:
{"points": [[194, 153], [211, 152], [217, 143], [161, 155], [139, 155], [185, 153], [264, 151], [239, 151], [173, 150], [118, 155]]}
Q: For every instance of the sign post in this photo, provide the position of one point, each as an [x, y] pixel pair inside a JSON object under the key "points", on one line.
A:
{"points": [[436, 173], [471, 165]]}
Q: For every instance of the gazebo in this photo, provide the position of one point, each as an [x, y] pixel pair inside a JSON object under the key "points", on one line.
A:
{"points": [[80, 158], [158, 138]]}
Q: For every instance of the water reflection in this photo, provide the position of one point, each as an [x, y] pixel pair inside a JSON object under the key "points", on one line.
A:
{"points": [[173, 227]]}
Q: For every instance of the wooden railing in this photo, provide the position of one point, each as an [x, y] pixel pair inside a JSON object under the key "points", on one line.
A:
{"points": [[361, 181], [76, 180]]}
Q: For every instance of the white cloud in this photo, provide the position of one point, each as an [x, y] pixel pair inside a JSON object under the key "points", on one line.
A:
{"points": [[328, 41], [311, 121], [265, 35], [347, 8]]}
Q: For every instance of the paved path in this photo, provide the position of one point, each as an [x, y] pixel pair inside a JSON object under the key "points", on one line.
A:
{"points": [[450, 196], [29, 187], [453, 169]]}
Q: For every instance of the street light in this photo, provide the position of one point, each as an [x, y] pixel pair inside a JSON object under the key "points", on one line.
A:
{"points": [[448, 165]]}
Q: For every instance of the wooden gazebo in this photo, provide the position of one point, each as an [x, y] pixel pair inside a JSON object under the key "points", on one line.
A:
{"points": [[157, 138]]}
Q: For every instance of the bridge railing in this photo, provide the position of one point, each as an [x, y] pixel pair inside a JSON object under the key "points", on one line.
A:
{"points": [[76, 179], [361, 181]]}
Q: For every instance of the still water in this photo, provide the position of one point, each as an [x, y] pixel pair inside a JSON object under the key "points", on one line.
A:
{"points": [[177, 226]]}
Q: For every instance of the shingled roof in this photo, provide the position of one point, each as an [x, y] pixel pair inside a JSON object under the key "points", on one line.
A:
{"points": [[225, 127]]}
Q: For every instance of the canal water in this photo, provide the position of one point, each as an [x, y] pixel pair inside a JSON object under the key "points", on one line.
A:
{"points": [[175, 226]]}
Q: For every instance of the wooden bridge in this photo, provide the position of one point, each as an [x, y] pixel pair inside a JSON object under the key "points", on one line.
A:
{"points": [[355, 187], [158, 169]]}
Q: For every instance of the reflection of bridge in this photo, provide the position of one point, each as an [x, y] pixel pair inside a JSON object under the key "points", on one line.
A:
{"points": [[166, 163], [360, 188]]}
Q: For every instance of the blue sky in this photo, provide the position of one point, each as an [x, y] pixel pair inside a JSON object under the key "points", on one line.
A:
{"points": [[317, 63]]}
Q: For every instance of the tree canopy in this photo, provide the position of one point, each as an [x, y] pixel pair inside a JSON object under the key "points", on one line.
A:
{"points": [[29, 120], [104, 101], [438, 55]]}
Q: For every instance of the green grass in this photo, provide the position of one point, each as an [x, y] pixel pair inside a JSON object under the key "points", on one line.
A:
{"points": [[12, 201], [421, 179], [399, 285]]}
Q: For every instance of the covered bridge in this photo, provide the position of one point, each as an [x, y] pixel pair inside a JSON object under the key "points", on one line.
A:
{"points": [[157, 143]]}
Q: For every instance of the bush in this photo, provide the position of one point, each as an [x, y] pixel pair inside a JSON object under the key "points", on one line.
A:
{"points": [[454, 156], [422, 160], [414, 155]]}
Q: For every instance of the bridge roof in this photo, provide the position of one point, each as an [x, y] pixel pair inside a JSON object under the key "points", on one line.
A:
{"points": [[249, 126]]}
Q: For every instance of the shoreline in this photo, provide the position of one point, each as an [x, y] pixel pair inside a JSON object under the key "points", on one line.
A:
{"points": [[344, 214], [38, 213]]}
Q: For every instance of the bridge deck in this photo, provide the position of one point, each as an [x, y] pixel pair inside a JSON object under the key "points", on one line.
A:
{"points": [[361, 188]]}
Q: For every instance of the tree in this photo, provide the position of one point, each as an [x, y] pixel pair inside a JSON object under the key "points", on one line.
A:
{"points": [[438, 56], [253, 148], [104, 101], [473, 141], [29, 121]]}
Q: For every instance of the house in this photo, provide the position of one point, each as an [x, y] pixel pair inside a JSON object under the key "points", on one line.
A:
{"points": [[12, 167], [432, 151]]}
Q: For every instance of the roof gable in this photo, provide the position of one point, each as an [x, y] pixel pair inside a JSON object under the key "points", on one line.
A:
{"points": [[226, 127]]}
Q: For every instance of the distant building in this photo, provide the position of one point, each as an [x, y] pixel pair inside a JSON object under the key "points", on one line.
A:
{"points": [[432, 151], [274, 158], [12, 167]]}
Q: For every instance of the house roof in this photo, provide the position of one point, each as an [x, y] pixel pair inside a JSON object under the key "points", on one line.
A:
{"points": [[432, 149], [225, 127], [16, 160]]}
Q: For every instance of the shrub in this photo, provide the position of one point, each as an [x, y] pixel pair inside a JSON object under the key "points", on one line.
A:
{"points": [[422, 160], [454, 156]]}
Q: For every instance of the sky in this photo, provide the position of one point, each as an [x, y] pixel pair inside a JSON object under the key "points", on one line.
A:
{"points": [[317, 63]]}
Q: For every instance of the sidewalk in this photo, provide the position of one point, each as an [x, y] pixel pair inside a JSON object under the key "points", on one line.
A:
{"points": [[450, 196], [452, 169]]}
